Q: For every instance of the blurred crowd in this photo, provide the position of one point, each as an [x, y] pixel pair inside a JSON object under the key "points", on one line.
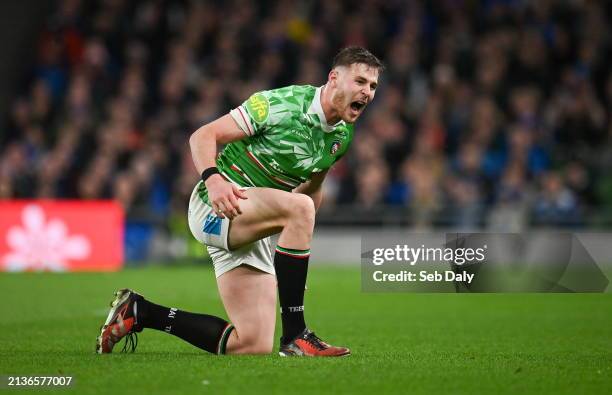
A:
{"points": [[492, 112]]}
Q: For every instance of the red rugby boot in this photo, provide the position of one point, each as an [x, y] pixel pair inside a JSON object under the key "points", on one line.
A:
{"points": [[307, 344], [121, 322]]}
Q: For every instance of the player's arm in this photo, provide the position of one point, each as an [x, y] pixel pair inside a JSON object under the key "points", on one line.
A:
{"points": [[313, 188], [222, 195]]}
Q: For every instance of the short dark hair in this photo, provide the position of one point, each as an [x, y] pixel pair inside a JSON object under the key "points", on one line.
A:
{"points": [[353, 54]]}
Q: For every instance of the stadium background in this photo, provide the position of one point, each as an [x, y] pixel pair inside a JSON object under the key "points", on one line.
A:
{"points": [[492, 115]]}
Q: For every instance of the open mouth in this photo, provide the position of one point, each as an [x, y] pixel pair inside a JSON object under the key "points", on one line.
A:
{"points": [[358, 105]]}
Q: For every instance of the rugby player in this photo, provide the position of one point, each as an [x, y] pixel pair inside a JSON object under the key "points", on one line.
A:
{"points": [[279, 145]]}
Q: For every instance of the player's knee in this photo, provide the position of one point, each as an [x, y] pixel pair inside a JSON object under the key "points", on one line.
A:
{"points": [[260, 349], [255, 344], [302, 208]]}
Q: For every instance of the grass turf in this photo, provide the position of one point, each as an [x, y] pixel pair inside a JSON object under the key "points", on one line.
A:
{"points": [[401, 343]]}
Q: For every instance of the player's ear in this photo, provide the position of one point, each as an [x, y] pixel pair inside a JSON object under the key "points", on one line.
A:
{"points": [[332, 77]]}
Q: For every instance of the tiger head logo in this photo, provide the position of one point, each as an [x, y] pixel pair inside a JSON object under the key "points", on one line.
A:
{"points": [[334, 147]]}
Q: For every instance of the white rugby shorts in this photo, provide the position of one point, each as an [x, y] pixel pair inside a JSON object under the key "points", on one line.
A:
{"points": [[213, 232]]}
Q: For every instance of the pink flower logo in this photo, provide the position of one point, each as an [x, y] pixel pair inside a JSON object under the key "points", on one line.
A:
{"points": [[40, 245]]}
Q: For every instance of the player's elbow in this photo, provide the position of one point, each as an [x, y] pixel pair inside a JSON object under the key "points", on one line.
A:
{"points": [[202, 134]]}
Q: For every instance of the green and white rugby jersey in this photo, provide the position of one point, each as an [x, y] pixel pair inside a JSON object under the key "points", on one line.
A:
{"points": [[288, 140]]}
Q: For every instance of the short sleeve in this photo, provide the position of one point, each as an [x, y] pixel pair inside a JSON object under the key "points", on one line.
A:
{"points": [[253, 116]]}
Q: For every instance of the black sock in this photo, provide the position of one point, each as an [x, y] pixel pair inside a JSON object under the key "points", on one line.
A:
{"points": [[205, 331], [291, 271]]}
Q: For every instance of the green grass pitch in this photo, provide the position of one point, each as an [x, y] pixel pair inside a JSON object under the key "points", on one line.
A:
{"points": [[401, 343]]}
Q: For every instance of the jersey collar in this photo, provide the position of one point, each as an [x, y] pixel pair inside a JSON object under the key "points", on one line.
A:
{"points": [[316, 108]]}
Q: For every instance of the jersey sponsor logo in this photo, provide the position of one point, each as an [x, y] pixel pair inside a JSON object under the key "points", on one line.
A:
{"points": [[335, 147], [212, 225], [258, 107]]}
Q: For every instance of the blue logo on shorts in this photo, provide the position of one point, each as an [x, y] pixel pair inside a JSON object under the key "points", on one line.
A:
{"points": [[212, 225]]}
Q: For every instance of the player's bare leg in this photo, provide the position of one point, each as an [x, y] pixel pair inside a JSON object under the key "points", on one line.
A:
{"points": [[266, 212], [269, 211], [249, 297]]}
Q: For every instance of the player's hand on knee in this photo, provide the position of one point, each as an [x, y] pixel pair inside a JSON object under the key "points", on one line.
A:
{"points": [[223, 197], [239, 193], [234, 210]]}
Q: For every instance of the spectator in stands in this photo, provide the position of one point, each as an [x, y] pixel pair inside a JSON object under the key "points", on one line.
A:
{"points": [[481, 101]]}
